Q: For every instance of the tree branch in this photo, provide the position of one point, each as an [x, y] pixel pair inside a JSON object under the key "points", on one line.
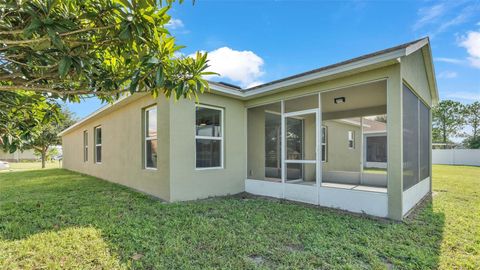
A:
{"points": [[29, 41], [61, 92]]}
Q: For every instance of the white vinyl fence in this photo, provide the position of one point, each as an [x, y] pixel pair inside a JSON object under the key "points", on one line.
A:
{"points": [[456, 156]]}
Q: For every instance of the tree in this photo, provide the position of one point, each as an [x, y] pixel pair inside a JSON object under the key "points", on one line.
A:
{"points": [[472, 118], [448, 120], [64, 49], [95, 47], [20, 114], [47, 134]]}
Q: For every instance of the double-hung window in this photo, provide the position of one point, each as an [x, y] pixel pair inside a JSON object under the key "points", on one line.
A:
{"points": [[98, 144], [351, 140], [208, 137], [150, 137], [85, 146]]}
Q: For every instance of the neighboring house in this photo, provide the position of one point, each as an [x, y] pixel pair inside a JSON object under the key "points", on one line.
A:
{"points": [[25, 155], [17, 156], [305, 138]]}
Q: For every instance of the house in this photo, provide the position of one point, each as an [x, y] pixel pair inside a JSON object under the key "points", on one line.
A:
{"points": [[318, 137], [17, 156], [26, 155]]}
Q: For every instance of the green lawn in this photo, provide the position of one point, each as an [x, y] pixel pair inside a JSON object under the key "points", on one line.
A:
{"points": [[26, 166], [57, 219]]}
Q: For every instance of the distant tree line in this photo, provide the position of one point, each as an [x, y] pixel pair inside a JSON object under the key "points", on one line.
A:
{"points": [[450, 119]]}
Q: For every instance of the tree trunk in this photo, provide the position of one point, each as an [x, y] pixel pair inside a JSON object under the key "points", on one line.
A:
{"points": [[44, 154], [444, 139]]}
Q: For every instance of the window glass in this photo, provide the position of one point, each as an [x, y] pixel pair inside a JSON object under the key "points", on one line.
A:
{"points": [[85, 146], [376, 149], [98, 154], [98, 144], [209, 137], [98, 135], [208, 153], [208, 122], [351, 139], [410, 138], [150, 140], [151, 121], [151, 153]]}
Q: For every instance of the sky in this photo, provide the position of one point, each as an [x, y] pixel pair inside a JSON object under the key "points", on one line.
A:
{"points": [[253, 42]]}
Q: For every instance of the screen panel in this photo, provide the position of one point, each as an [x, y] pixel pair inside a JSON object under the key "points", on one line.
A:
{"points": [[410, 139], [424, 141]]}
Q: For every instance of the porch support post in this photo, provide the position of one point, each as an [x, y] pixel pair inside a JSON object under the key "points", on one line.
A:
{"points": [[319, 163], [361, 150], [395, 143], [283, 148]]}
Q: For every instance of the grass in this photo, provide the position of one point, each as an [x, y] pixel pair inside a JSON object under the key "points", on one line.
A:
{"points": [[57, 219], [26, 166]]}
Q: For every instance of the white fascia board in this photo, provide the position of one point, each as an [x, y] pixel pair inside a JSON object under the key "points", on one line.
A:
{"points": [[430, 69], [416, 46]]}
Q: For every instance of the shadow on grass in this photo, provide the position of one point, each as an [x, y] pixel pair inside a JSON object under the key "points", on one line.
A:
{"points": [[228, 232]]}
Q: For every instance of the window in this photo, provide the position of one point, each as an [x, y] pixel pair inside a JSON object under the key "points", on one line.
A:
{"points": [[150, 137], [98, 144], [208, 137], [324, 143], [85, 146], [351, 139], [376, 148]]}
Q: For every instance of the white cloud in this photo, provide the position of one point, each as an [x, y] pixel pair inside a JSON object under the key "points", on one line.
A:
{"points": [[255, 83], [472, 43], [429, 15], [447, 75], [243, 67], [175, 24], [440, 17], [448, 60]]}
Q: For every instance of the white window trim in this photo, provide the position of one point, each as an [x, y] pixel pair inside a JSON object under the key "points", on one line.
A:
{"points": [[85, 146], [96, 144], [145, 138], [221, 138]]}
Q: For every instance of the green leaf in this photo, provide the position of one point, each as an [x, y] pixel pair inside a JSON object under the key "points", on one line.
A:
{"points": [[159, 77], [64, 66], [34, 25], [149, 19]]}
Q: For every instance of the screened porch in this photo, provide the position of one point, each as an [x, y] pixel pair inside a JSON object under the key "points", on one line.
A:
{"points": [[322, 148]]}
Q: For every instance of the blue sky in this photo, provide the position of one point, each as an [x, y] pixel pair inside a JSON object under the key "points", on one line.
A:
{"points": [[255, 42]]}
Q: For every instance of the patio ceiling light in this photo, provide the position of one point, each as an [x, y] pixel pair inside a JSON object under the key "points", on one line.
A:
{"points": [[339, 100]]}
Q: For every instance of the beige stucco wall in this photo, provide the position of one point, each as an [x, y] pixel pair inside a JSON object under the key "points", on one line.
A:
{"points": [[122, 148], [256, 143], [414, 74], [339, 156], [188, 183]]}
